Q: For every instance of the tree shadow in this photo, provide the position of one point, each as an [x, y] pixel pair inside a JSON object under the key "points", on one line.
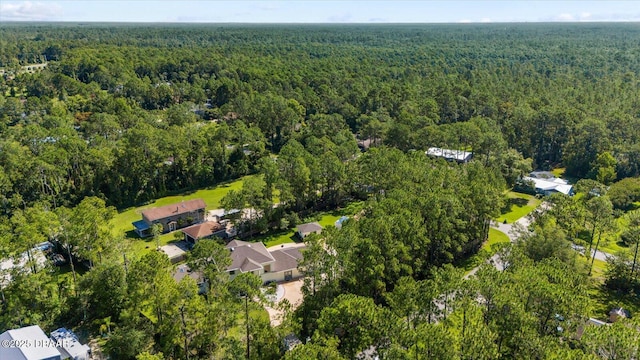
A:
{"points": [[607, 299], [511, 202]]}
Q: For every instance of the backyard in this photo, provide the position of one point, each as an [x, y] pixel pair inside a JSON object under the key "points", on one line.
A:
{"points": [[324, 219], [121, 223], [516, 206]]}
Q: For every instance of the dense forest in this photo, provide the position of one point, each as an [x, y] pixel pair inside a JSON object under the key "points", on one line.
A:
{"points": [[123, 114]]}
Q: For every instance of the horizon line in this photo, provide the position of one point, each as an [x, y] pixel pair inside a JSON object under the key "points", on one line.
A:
{"points": [[460, 22]]}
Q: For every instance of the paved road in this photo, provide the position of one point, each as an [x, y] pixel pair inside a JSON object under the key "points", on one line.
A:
{"points": [[511, 231]]}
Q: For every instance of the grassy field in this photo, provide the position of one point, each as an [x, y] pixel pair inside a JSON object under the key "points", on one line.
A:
{"points": [[121, 223], [516, 206], [325, 219], [256, 312], [486, 251]]}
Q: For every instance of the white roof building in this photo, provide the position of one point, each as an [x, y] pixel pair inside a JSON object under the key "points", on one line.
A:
{"points": [[550, 185], [456, 155], [27, 343], [6, 265], [69, 345]]}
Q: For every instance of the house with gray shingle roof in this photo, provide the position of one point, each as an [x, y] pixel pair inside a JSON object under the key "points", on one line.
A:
{"points": [[275, 265], [309, 228]]}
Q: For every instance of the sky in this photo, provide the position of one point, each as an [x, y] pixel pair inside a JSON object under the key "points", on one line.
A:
{"points": [[318, 11]]}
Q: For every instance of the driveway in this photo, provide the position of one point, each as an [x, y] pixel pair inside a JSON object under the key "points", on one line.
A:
{"points": [[510, 231], [293, 294]]}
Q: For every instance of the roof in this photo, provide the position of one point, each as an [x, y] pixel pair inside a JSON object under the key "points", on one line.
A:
{"points": [[70, 344], [20, 263], [162, 212], [620, 312], [286, 259], [140, 225], [309, 228], [551, 184], [42, 347], [203, 230], [458, 155], [183, 271], [246, 256]]}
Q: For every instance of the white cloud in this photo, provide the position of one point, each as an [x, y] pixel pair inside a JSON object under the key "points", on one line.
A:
{"points": [[585, 16], [342, 18], [464, 21], [29, 11], [565, 17], [485, 20]]}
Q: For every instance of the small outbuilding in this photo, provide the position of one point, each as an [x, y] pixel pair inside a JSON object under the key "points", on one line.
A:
{"points": [[28, 343], [309, 228], [338, 223], [618, 313], [69, 345]]}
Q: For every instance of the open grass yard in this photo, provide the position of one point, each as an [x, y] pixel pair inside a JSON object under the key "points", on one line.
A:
{"points": [[516, 206], [486, 251], [324, 219], [603, 300]]}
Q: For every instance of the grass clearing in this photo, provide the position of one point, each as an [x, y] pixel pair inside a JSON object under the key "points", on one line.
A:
{"points": [[612, 247], [324, 219], [604, 300], [516, 206], [486, 251], [256, 312]]}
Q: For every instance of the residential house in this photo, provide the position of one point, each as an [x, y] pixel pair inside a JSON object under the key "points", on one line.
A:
{"points": [[276, 265], [28, 343], [205, 230], [69, 345], [172, 217], [545, 183], [459, 156], [182, 271], [309, 228], [21, 262]]}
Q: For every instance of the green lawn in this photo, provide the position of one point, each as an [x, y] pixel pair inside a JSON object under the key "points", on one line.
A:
{"points": [[612, 247], [517, 205], [495, 237], [277, 238], [486, 251], [325, 219], [256, 312], [599, 268], [121, 223]]}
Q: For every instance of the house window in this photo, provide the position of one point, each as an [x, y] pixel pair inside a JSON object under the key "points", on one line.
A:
{"points": [[232, 272]]}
